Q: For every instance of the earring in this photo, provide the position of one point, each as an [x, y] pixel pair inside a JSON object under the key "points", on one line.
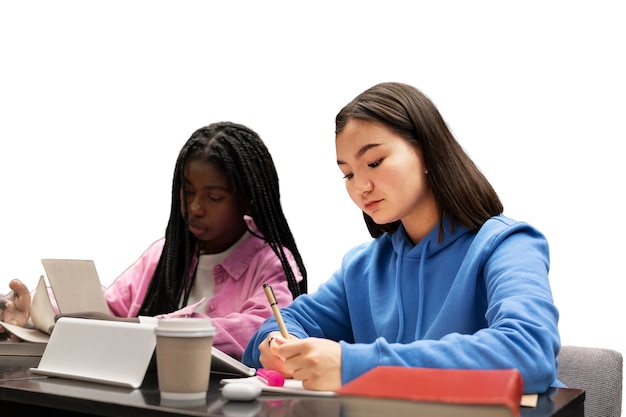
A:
{"points": [[426, 171]]}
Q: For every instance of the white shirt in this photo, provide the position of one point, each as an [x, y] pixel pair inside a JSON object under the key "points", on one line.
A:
{"points": [[203, 284]]}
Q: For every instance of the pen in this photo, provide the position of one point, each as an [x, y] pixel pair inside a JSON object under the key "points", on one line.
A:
{"points": [[269, 292]]}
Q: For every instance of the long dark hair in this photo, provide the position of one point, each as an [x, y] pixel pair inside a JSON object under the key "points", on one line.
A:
{"points": [[461, 191], [249, 167]]}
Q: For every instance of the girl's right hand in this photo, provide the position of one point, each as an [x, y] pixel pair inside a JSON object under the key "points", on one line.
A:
{"points": [[269, 359], [15, 307]]}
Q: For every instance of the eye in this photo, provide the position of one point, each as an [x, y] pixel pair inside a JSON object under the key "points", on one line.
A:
{"points": [[375, 164], [348, 176]]}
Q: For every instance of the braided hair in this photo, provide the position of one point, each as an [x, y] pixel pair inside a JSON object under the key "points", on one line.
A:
{"points": [[245, 160]]}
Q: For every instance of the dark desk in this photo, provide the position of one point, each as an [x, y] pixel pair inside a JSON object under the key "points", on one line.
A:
{"points": [[22, 392]]}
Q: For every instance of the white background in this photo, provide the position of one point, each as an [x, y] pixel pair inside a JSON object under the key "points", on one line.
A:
{"points": [[97, 97]]}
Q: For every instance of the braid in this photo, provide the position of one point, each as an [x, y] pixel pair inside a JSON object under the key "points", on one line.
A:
{"points": [[248, 165], [169, 280], [247, 161]]}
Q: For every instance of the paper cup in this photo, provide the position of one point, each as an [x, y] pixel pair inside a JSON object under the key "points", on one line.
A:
{"points": [[183, 351]]}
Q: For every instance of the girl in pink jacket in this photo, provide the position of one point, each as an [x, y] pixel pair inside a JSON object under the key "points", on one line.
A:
{"points": [[227, 235]]}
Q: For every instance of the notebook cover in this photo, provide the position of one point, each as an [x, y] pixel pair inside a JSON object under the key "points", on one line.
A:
{"points": [[503, 387]]}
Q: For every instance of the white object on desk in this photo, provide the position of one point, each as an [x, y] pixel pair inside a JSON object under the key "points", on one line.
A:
{"points": [[244, 390], [291, 387], [109, 352]]}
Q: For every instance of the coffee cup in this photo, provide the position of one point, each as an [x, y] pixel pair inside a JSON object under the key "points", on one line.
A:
{"points": [[183, 353]]}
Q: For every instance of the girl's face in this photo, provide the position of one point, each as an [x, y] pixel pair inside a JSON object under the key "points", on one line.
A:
{"points": [[385, 176], [215, 217]]}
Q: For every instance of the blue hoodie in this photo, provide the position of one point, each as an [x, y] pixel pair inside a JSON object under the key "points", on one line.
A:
{"points": [[473, 301]]}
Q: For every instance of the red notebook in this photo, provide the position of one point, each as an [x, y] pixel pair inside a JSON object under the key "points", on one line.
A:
{"points": [[435, 392]]}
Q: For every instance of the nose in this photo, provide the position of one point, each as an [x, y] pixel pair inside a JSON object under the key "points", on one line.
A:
{"points": [[363, 185], [195, 208]]}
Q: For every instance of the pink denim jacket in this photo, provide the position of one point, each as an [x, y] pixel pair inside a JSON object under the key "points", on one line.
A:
{"points": [[239, 304]]}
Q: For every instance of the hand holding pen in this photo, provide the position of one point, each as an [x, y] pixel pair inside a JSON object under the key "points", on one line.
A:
{"points": [[319, 368], [268, 358]]}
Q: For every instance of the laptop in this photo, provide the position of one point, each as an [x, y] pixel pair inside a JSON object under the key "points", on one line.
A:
{"points": [[76, 285]]}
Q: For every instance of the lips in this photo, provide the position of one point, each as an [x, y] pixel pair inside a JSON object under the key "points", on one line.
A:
{"points": [[197, 229], [371, 205]]}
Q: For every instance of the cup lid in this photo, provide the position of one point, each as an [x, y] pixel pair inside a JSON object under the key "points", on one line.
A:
{"points": [[185, 327]]}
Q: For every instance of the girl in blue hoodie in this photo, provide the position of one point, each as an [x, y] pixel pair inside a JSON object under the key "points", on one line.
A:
{"points": [[447, 280]]}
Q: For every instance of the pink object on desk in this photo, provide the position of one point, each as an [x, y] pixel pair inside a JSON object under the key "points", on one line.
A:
{"points": [[270, 377]]}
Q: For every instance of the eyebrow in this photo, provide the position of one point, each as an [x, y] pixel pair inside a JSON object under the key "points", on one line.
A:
{"points": [[361, 152], [208, 187]]}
